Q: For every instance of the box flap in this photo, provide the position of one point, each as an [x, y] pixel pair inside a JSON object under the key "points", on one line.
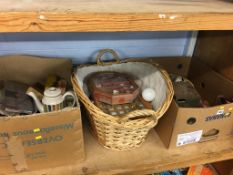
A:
{"points": [[28, 69], [209, 83]]}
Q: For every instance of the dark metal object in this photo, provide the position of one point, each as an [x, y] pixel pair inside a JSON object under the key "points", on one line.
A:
{"points": [[185, 93]]}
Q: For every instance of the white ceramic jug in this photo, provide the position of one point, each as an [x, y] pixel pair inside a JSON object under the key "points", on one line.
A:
{"points": [[52, 100]]}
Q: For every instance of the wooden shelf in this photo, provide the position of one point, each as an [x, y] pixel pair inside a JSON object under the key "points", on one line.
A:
{"points": [[151, 157], [115, 15], [127, 15]]}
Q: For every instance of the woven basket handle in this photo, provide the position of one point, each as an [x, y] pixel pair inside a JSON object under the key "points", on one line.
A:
{"points": [[104, 51], [140, 115]]}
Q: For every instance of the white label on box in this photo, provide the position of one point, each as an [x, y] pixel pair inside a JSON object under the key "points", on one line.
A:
{"points": [[221, 111], [188, 138]]}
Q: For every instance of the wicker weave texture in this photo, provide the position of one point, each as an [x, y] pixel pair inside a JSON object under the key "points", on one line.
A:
{"points": [[129, 131]]}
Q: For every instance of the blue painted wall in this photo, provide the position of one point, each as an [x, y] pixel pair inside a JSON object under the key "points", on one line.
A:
{"points": [[82, 47]]}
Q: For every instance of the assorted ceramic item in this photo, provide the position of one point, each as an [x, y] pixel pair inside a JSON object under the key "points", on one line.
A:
{"points": [[53, 100], [117, 93], [21, 99], [112, 87]]}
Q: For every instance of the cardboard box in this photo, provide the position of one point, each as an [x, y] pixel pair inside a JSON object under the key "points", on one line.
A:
{"points": [[181, 126], [44, 140]]}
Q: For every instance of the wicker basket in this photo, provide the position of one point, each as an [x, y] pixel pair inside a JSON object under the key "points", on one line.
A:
{"points": [[129, 131]]}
